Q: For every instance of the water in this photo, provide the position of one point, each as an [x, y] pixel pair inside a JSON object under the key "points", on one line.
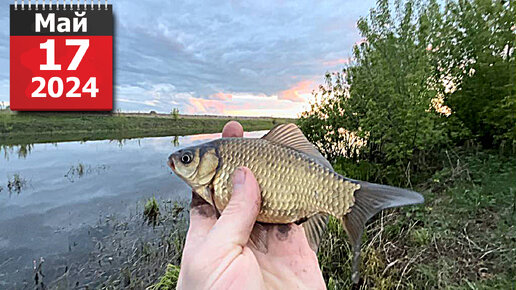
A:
{"points": [[59, 191]]}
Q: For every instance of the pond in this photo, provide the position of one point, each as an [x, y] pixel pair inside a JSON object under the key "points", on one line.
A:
{"points": [[52, 196]]}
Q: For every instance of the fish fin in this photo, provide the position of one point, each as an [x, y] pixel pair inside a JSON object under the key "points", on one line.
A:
{"points": [[370, 199], [205, 192], [314, 228], [212, 196], [258, 237], [291, 136]]}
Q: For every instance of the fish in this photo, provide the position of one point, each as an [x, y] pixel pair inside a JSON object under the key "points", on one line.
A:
{"points": [[298, 185]]}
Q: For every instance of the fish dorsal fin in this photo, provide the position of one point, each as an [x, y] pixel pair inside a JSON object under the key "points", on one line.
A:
{"points": [[291, 136], [314, 228]]}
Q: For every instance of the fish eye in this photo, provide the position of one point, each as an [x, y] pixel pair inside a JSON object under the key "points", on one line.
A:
{"points": [[186, 158]]}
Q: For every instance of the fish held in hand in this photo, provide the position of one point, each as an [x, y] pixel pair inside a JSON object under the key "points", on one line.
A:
{"points": [[298, 185]]}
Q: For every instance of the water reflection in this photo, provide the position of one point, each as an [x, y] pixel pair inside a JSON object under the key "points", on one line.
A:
{"points": [[175, 141], [77, 171], [21, 150], [15, 184]]}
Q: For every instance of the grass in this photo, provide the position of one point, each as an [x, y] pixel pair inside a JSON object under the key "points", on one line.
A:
{"points": [[128, 253], [151, 211], [39, 127], [16, 184], [463, 237], [169, 280]]}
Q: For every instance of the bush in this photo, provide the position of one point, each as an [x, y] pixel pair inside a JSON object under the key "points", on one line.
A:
{"points": [[421, 80], [379, 109], [175, 113]]}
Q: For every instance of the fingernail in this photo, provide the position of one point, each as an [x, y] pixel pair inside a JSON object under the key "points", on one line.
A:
{"points": [[239, 176]]}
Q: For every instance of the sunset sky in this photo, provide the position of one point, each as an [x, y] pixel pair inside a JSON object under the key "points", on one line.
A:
{"points": [[222, 57]]}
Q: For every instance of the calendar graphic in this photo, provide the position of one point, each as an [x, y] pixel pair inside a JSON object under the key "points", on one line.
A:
{"points": [[61, 56]]}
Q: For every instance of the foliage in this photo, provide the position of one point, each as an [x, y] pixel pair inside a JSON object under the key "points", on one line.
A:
{"points": [[426, 84], [383, 100], [422, 79], [474, 53], [175, 113]]}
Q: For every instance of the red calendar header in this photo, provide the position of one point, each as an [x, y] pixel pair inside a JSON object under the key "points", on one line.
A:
{"points": [[61, 58]]}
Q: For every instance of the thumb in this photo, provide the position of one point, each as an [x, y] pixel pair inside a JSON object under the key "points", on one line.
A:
{"points": [[237, 220]]}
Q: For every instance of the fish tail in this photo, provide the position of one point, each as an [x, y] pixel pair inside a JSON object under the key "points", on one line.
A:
{"points": [[370, 199]]}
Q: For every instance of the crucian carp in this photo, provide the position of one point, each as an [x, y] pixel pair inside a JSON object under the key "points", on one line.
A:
{"points": [[298, 185]]}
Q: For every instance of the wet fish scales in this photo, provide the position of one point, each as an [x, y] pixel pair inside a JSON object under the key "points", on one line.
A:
{"points": [[294, 186]]}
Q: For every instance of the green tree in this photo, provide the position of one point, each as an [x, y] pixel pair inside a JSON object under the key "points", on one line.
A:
{"points": [[476, 52], [175, 113], [384, 98]]}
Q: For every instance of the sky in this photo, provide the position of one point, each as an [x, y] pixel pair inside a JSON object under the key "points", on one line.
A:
{"points": [[246, 58]]}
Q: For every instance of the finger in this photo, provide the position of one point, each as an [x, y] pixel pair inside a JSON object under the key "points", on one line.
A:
{"points": [[202, 214], [202, 218], [233, 129], [236, 221]]}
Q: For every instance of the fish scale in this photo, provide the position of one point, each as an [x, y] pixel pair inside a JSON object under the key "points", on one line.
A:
{"points": [[294, 186]]}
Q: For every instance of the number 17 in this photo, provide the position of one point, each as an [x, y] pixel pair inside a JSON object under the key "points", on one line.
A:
{"points": [[49, 46]]}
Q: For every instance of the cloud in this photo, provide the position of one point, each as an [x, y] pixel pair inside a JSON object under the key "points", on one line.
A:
{"points": [[247, 104], [204, 106], [300, 92], [221, 96], [339, 61], [148, 96], [193, 57]]}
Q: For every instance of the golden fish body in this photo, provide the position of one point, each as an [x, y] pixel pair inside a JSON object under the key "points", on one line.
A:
{"points": [[294, 185], [297, 184]]}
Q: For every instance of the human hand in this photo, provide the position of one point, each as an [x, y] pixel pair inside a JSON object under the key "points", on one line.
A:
{"points": [[218, 253]]}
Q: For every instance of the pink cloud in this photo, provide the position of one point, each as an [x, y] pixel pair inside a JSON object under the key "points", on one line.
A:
{"points": [[205, 106], [338, 61], [290, 104], [295, 93], [221, 96]]}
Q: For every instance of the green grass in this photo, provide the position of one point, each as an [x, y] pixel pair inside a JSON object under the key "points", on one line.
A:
{"points": [[167, 281], [151, 211], [463, 237], [37, 127]]}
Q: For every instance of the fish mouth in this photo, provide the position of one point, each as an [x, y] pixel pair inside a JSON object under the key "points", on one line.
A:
{"points": [[170, 163]]}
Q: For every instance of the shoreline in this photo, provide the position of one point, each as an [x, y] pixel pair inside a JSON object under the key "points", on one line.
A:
{"points": [[43, 127]]}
